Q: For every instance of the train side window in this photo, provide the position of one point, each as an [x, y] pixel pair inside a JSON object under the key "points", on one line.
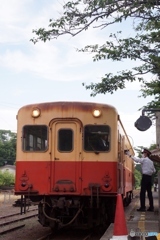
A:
{"points": [[97, 138], [35, 138], [65, 140]]}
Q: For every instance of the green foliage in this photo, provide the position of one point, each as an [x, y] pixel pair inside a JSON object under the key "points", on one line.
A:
{"points": [[137, 176], [6, 178], [139, 149], [152, 89], [143, 46], [7, 147]]}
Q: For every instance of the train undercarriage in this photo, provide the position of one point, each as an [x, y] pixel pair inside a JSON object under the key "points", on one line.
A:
{"points": [[82, 212]]}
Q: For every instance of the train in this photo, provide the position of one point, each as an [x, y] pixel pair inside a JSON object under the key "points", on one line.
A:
{"points": [[70, 161]]}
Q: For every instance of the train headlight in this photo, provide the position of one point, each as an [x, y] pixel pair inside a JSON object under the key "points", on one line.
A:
{"points": [[96, 113], [36, 112]]}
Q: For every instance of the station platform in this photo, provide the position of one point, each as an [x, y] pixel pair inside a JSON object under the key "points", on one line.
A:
{"points": [[140, 225]]}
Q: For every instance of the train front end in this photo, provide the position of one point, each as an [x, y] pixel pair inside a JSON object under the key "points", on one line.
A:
{"points": [[69, 162]]}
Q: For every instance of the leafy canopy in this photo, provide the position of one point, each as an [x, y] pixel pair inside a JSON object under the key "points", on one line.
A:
{"points": [[144, 46], [7, 147]]}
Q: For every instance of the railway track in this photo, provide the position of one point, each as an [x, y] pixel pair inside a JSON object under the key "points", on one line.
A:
{"points": [[15, 221], [96, 234], [74, 234], [32, 229]]}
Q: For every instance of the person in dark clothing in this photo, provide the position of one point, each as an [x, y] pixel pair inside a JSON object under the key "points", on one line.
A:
{"points": [[146, 182], [103, 143]]}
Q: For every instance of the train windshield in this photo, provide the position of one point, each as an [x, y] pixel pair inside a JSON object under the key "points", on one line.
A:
{"points": [[35, 138], [96, 138]]}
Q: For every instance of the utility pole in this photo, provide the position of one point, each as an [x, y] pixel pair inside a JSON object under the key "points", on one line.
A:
{"points": [[158, 129]]}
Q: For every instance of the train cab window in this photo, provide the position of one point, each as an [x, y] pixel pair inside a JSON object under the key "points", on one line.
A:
{"points": [[96, 138], [35, 138], [65, 140]]}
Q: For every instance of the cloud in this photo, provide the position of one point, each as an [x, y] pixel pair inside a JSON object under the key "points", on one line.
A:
{"points": [[18, 18], [8, 119], [32, 73], [57, 60]]}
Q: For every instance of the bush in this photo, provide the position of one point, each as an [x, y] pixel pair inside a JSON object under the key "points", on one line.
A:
{"points": [[6, 178]]}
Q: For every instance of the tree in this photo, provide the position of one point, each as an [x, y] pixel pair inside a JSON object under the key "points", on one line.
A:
{"points": [[79, 15], [152, 89], [7, 147], [139, 149]]}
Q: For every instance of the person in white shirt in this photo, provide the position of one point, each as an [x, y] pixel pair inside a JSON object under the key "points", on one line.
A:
{"points": [[146, 183]]}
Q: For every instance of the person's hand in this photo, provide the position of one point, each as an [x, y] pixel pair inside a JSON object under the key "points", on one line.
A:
{"points": [[127, 152]]}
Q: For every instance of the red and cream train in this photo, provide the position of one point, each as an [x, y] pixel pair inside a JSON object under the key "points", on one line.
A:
{"points": [[62, 165]]}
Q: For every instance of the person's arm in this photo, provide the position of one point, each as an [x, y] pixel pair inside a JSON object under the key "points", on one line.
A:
{"points": [[136, 159]]}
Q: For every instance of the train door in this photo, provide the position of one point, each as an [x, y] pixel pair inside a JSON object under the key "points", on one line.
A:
{"points": [[123, 165], [120, 164], [66, 156]]}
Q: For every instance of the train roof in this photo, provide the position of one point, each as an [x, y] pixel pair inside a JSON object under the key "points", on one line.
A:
{"points": [[76, 104]]}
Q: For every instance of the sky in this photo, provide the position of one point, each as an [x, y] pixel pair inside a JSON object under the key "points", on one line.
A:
{"points": [[55, 70]]}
